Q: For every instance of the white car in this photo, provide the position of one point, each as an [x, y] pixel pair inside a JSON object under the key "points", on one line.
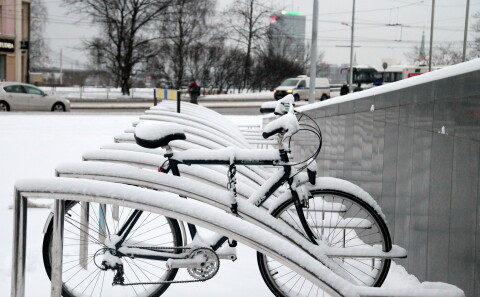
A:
{"points": [[299, 88], [19, 96]]}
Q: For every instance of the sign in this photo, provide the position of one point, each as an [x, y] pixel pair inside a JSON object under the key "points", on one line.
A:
{"points": [[167, 94], [7, 45]]}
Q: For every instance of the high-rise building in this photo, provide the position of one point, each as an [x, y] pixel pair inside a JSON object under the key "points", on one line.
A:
{"points": [[287, 35]]}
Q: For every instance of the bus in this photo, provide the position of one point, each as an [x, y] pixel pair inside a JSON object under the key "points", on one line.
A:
{"points": [[398, 72], [363, 74]]}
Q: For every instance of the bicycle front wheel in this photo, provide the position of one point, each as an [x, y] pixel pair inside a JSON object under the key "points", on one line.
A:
{"points": [[340, 220], [87, 227]]}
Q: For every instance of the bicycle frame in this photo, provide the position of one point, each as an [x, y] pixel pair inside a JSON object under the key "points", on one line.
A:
{"points": [[262, 196]]}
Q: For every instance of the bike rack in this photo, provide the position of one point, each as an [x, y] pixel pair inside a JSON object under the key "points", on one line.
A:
{"points": [[214, 197], [171, 205], [198, 213]]}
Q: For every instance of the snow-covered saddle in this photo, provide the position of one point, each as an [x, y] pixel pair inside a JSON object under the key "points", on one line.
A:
{"points": [[150, 134]]}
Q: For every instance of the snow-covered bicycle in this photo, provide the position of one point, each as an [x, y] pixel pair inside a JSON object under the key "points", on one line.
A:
{"points": [[118, 251]]}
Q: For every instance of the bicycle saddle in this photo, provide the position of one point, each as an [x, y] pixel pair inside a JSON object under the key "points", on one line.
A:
{"points": [[150, 134]]}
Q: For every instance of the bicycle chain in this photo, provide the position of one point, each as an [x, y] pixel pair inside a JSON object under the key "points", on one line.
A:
{"points": [[164, 282]]}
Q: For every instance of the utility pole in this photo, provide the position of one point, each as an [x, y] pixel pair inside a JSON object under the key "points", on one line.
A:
{"points": [[18, 39], [464, 56], [61, 69], [313, 54], [431, 38], [351, 47]]}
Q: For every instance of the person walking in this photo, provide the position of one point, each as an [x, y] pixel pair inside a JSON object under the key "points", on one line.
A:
{"points": [[344, 90], [194, 91]]}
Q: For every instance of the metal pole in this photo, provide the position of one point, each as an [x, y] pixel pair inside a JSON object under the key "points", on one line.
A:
{"points": [[84, 221], [18, 40], [19, 245], [57, 248], [154, 97], [464, 56], [178, 100], [351, 46], [431, 38], [313, 54]]}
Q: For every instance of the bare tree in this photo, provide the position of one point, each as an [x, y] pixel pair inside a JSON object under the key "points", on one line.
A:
{"points": [[182, 28], [248, 22], [126, 35], [38, 48], [446, 54], [475, 45]]}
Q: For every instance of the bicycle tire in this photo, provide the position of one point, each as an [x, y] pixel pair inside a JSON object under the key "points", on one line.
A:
{"points": [[136, 270], [284, 282]]}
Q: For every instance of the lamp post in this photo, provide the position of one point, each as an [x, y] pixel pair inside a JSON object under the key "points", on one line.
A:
{"points": [[465, 33], [431, 38], [351, 47], [313, 54]]}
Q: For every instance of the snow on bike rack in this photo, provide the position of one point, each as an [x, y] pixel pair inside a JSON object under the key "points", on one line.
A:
{"points": [[162, 203], [215, 197], [188, 210]]}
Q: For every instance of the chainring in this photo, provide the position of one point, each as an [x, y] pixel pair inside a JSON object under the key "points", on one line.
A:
{"points": [[209, 266]]}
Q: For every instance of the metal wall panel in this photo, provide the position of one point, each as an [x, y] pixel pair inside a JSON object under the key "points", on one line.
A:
{"points": [[389, 181], [463, 219], [378, 150], [403, 187], [427, 183], [439, 208], [418, 237]]}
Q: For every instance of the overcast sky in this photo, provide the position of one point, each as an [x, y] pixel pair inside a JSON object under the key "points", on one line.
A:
{"points": [[375, 36]]}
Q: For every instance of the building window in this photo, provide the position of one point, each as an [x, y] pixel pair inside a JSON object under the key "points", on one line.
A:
{"points": [[3, 67]]}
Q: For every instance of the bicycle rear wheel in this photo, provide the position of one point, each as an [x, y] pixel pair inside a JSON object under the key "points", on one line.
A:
{"points": [[341, 220], [81, 254]]}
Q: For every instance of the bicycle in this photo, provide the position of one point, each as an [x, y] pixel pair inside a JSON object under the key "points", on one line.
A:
{"points": [[334, 215]]}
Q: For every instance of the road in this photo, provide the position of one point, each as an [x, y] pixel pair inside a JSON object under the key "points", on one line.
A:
{"points": [[133, 111]]}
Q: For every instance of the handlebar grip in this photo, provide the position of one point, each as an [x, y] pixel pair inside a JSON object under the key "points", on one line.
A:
{"points": [[268, 134]]}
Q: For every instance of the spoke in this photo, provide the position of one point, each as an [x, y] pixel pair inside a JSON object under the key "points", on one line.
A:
{"points": [[141, 269], [301, 287], [138, 259], [139, 280], [94, 239], [95, 277], [93, 290], [149, 231], [65, 271], [285, 274]]}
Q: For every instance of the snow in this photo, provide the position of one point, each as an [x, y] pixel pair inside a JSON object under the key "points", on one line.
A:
{"points": [[33, 144], [473, 65], [151, 131], [288, 123]]}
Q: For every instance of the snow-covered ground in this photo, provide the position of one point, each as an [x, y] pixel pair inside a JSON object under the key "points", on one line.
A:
{"points": [[33, 144]]}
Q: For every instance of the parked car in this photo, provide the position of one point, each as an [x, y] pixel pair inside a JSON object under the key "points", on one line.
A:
{"points": [[299, 88], [18, 96]]}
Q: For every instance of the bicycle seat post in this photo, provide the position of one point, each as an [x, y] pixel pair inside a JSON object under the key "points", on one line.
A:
{"points": [[168, 151]]}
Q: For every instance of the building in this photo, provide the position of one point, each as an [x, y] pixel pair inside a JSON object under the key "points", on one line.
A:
{"points": [[14, 40], [286, 35]]}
